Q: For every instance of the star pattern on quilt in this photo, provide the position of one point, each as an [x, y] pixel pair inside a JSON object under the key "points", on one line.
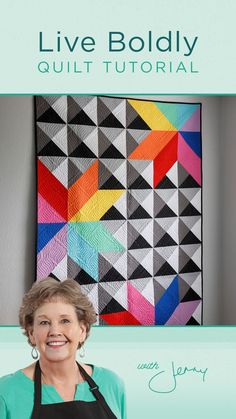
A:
{"points": [[119, 205]]}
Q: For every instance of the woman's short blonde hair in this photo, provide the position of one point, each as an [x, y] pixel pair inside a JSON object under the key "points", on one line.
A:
{"points": [[50, 289]]}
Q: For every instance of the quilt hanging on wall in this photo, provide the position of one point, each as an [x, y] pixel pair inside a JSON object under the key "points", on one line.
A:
{"points": [[119, 205]]}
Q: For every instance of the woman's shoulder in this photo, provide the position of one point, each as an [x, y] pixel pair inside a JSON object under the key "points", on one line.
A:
{"points": [[7, 379], [112, 387], [9, 382], [16, 395], [108, 376]]}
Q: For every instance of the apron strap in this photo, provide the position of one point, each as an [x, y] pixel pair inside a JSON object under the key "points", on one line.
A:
{"points": [[95, 390], [37, 391]]}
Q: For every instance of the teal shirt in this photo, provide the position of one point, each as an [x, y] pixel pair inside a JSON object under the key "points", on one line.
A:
{"points": [[17, 393]]}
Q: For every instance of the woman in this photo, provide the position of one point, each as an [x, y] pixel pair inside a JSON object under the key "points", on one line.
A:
{"points": [[56, 318]]}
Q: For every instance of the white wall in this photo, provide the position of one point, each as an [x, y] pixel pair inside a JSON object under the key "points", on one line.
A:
{"points": [[17, 210], [227, 190]]}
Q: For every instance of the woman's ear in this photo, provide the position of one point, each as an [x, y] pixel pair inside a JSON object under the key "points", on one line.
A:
{"points": [[83, 333], [31, 335]]}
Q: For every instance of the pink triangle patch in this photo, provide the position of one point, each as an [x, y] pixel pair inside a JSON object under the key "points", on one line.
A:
{"points": [[193, 123], [46, 213], [183, 312], [189, 160], [139, 307]]}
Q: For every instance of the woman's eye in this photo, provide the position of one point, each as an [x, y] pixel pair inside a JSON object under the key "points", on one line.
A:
{"points": [[44, 322], [65, 321]]}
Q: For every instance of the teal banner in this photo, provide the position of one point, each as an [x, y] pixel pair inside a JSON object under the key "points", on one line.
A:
{"points": [[170, 372], [152, 47]]}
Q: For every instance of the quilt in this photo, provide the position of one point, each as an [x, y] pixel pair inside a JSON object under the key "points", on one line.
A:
{"points": [[119, 205]]}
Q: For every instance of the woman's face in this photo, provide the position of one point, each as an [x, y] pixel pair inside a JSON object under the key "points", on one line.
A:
{"points": [[56, 331]]}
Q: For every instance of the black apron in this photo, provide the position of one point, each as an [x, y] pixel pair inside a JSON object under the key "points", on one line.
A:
{"points": [[75, 409]]}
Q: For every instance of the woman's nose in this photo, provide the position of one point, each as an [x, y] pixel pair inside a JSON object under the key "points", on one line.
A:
{"points": [[54, 329]]}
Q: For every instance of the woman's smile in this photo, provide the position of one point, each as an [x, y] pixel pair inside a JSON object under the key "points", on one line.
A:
{"points": [[56, 343]]}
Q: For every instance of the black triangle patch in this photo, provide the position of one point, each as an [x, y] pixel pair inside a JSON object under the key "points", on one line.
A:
{"points": [[73, 173], [83, 278], [189, 182], [189, 211], [111, 122], [51, 116], [190, 267], [112, 214], [190, 296], [83, 151], [140, 272], [192, 322], [111, 276], [112, 307], [131, 144], [166, 183], [166, 240], [112, 183], [165, 269], [51, 149], [138, 123], [43, 139], [54, 277], [190, 238], [112, 153], [165, 212], [139, 213], [140, 243], [140, 183], [82, 119]]}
